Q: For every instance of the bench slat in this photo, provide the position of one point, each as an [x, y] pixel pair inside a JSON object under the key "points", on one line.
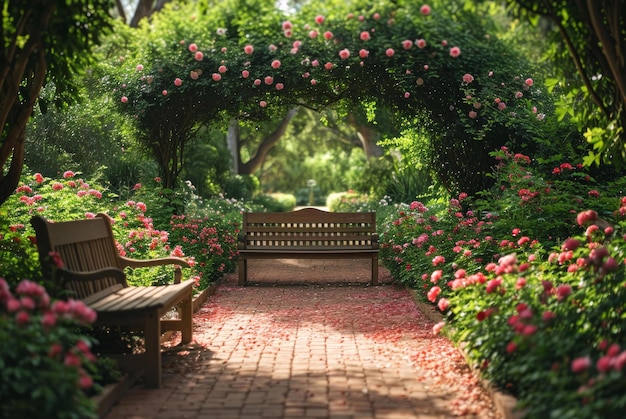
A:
{"points": [[140, 298]]}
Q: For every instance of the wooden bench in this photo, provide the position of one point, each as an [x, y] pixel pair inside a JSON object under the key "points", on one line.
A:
{"points": [[93, 272], [308, 233]]}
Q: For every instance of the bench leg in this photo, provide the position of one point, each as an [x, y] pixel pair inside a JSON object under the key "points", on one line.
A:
{"points": [[152, 336], [375, 271], [243, 271], [186, 316]]}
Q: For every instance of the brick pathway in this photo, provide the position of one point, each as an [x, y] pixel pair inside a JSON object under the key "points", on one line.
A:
{"points": [[310, 339]]}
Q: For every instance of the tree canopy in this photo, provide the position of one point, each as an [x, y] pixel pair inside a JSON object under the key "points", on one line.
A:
{"points": [[44, 43], [589, 53]]}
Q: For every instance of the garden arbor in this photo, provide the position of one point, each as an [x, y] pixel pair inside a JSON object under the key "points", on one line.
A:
{"points": [[469, 91]]}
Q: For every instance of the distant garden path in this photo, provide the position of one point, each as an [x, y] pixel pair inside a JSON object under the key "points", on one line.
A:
{"points": [[312, 339]]}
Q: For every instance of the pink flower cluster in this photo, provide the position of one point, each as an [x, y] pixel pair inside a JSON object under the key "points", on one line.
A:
{"points": [[31, 305], [614, 359]]}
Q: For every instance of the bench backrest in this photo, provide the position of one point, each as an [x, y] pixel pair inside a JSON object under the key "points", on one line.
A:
{"points": [[84, 245], [309, 228]]}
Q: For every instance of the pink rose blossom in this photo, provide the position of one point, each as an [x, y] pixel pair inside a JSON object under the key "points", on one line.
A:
{"points": [[433, 293], [193, 47], [364, 53], [177, 82], [344, 54], [280, 86], [421, 43], [390, 52], [580, 364], [222, 69], [328, 35], [468, 78], [443, 304], [365, 36], [425, 10], [216, 76], [124, 99], [245, 74], [407, 44], [313, 34], [319, 19], [563, 291], [276, 64], [22, 318], [511, 347], [604, 364], [455, 52], [268, 80], [248, 49], [199, 56], [262, 103]]}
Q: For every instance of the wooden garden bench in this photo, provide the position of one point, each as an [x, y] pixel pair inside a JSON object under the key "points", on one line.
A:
{"points": [[93, 271], [308, 234]]}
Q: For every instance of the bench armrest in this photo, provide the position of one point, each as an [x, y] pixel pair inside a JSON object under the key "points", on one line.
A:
{"points": [[138, 263], [241, 240]]}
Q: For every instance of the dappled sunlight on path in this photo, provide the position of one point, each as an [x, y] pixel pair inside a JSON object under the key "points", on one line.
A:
{"points": [[324, 351]]}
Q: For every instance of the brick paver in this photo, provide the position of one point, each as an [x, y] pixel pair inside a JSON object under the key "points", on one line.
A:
{"points": [[310, 339]]}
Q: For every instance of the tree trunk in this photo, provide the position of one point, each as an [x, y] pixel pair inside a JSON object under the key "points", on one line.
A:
{"points": [[368, 137], [266, 145], [232, 140], [20, 84]]}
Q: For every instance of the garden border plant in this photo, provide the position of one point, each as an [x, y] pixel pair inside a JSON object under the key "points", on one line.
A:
{"points": [[540, 317]]}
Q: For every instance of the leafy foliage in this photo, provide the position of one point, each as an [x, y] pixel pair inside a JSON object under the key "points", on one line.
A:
{"points": [[587, 41]]}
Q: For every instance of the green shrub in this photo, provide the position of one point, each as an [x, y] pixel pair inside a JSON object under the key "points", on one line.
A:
{"points": [[276, 202], [241, 187]]}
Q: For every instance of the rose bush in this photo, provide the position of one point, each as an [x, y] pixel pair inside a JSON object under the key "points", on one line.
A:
{"points": [[134, 228], [541, 315], [46, 364]]}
